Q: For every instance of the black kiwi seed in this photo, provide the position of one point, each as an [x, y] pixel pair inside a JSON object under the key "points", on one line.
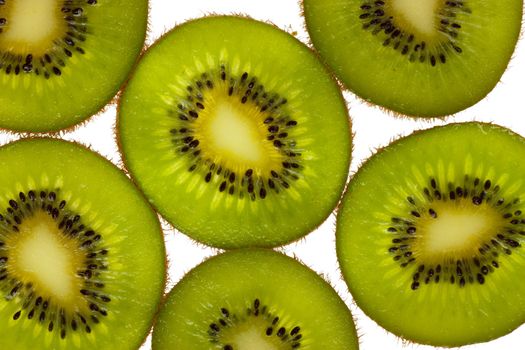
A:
{"points": [[278, 122], [281, 332], [75, 20], [271, 328], [23, 207], [381, 23], [474, 269]]}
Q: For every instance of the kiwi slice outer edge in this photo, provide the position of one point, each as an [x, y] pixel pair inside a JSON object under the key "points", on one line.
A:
{"points": [[32, 103], [397, 84], [226, 230], [136, 220], [243, 288], [445, 312]]}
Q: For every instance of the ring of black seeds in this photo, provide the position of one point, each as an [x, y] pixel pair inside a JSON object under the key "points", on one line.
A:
{"points": [[376, 20], [472, 270], [291, 337], [54, 60], [279, 127], [29, 303]]}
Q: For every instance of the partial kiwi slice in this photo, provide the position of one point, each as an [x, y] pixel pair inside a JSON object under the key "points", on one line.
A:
{"points": [[431, 232], [62, 61], [423, 58], [236, 133], [253, 299], [82, 259]]}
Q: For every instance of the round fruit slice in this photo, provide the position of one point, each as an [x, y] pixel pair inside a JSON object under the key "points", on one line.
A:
{"points": [[61, 61], [423, 58], [237, 301], [82, 259], [431, 232], [236, 133]]}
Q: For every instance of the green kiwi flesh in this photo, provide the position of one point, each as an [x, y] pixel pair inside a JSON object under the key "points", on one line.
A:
{"points": [[254, 299], [61, 61], [424, 58], [82, 258], [431, 231], [236, 133]]}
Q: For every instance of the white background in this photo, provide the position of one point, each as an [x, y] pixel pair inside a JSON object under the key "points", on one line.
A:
{"points": [[372, 127]]}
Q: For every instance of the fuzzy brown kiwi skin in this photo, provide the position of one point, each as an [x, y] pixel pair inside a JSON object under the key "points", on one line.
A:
{"points": [[14, 135], [123, 164], [163, 293]]}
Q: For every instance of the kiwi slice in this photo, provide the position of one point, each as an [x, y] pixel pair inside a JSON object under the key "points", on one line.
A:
{"points": [[236, 133], [431, 232], [62, 61], [423, 58], [82, 259], [253, 299]]}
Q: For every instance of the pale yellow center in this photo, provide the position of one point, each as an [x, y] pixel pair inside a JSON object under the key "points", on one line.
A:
{"points": [[253, 339], [459, 229], [418, 14], [31, 26], [452, 231], [234, 134], [44, 257], [251, 335]]}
